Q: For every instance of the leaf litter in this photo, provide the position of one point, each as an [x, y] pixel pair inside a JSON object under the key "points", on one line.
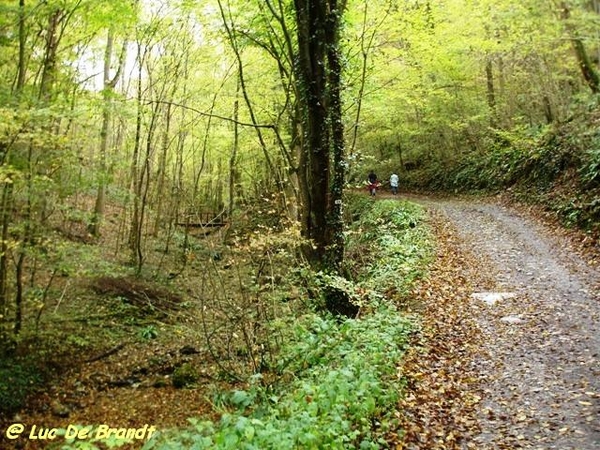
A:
{"points": [[521, 371]]}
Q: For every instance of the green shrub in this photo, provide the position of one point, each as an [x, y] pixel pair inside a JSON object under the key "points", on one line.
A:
{"points": [[185, 375], [590, 169], [398, 245], [18, 379], [342, 381]]}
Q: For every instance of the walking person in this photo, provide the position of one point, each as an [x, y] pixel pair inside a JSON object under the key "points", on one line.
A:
{"points": [[372, 179], [394, 179]]}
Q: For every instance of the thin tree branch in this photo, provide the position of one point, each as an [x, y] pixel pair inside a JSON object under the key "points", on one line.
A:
{"points": [[216, 116]]}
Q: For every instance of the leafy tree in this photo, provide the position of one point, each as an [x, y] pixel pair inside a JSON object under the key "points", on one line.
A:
{"points": [[174, 107]]}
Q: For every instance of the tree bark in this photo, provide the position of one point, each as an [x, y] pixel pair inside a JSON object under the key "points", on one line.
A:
{"points": [[590, 75], [7, 195], [233, 173], [134, 243], [49, 66], [335, 240], [162, 170], [22, 43], [107, 96], [7, 189], [589, 72], [491, 93], [311, 17], [319, 78]]}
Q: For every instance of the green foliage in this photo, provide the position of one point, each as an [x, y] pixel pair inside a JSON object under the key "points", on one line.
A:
{"points": [[589, 170], [394, 244], [93, 440], [476, 94], [149, 332], [185, 375], [558, 167], [77, 342], [581, 210], [332, 286], [356, 206], [18, 379], [340, 380], [337, 383]]}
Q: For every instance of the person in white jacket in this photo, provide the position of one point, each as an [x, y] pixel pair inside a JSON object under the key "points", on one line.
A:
{"points": [[394, 179]]}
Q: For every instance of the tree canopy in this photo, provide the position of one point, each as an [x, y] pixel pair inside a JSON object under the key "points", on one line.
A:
{"points": [[163, 107]]}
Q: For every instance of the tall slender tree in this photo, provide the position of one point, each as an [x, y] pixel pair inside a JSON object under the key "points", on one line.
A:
{"points": [[108, 91]]}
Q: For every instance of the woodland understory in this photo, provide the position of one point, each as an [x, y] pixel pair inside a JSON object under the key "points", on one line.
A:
{"points": [[241, 332], [186, 239]]}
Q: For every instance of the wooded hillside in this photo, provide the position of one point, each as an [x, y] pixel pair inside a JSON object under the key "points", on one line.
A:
{"points": [[167, 153]]}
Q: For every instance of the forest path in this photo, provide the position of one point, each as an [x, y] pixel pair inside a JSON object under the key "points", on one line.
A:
{"points": [[527, 361]]}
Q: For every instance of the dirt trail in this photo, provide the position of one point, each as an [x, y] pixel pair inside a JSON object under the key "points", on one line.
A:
{"points": [[541, 372]]}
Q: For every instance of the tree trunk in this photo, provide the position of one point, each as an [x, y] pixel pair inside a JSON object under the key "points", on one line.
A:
{"points": [[22, 43], [491, 93], [319, 76], [107, 96], [589, 72], [49, 66], [134, 243], [233, 175], [590, 75], [7, 189], [311, 17], [18, 323], [336, 222], [25, 243], [7, 195], [162, 171], [144, 188]]}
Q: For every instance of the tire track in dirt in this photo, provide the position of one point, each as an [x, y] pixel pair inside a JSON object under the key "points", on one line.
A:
{"points": [[539, 355]]}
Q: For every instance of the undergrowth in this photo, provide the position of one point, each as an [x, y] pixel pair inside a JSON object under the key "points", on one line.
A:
{"points": [[17, 379], [556, 166], [335, 384], [393, 244]]}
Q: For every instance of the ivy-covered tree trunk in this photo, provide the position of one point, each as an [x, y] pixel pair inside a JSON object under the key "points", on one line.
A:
{"points": [[322, 167], [322, 164], [311, 17], [335, 253]]}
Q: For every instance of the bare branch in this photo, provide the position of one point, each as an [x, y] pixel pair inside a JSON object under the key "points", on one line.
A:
{"points": [[215, 116]]}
